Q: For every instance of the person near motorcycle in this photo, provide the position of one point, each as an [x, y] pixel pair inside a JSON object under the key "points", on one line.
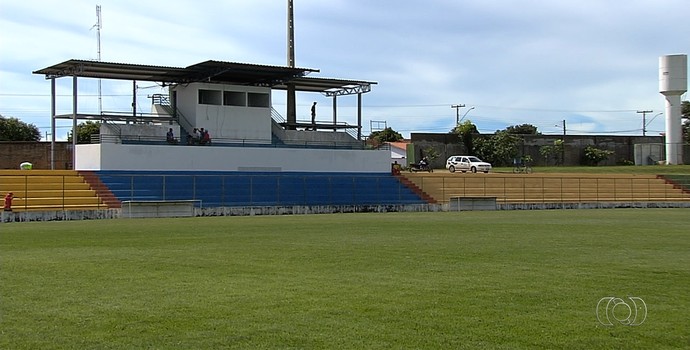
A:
{"points": [[423, 163]]}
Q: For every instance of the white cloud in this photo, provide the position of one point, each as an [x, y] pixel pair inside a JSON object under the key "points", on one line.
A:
{"points": [[518, 62]]}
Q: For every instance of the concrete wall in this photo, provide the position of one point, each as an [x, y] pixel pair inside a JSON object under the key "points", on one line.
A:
{"points": [[6, 217], [317, 137], [213, 158], [13, 153], [145, 131], [240, 118], [623, 147]]}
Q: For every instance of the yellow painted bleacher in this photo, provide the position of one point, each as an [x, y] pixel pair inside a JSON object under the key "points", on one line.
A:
{"points": [[36, 190], [547, 188]]}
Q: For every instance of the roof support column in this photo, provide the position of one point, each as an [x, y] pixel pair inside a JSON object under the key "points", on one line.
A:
{"points": [[74, 122], [134, 98], [359, 116], [335, 111], [291, 109], [52, 123]]}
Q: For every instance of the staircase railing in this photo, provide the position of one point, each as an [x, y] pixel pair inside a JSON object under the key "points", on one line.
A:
{"points": [[116, 129], [275, 115], [164, 101], [352, 132]]}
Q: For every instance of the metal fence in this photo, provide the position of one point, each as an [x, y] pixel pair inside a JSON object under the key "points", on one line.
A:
{"points": [[262, 189], [543, 189]]}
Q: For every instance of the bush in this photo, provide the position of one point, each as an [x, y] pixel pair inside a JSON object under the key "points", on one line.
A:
{"points": [[594, 156]]}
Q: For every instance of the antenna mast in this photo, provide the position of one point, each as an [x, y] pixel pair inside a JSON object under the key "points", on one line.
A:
{"points": [[291, 36], [291, 91], [98, 26]]}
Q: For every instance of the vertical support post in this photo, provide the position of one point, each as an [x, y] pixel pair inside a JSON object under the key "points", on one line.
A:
{"points": [[74, 122], [335, 111], [173, 104], [291, 107], [134, 98], [674, 133], [563, 148], [52, 123], [359, 116]]}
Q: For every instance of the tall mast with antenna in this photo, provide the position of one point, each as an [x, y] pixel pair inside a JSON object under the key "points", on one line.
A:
{"points": [[291, 91], [290, 36], [98, 26]]}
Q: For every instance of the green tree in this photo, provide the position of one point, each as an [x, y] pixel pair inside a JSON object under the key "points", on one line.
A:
{"points": [[554, 152], [467, 132], [430, 153], [85, 130], [13, 129], [499, 149], [594, 156], [524, 129], [385, 135]]}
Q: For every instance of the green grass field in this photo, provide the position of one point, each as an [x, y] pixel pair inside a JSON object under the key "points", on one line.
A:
{"points": [[470, 280]]}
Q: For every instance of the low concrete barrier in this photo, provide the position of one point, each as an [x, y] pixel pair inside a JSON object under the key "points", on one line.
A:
{"points": [[320, 209], [59, 215], [304, 210]]}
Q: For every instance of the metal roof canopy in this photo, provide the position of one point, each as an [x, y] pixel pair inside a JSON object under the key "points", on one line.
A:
{"points": [[209, 72]]}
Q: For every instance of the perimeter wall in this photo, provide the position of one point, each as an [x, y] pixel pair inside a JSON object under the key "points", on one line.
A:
{"points": [[13, 153], [446, 145]]}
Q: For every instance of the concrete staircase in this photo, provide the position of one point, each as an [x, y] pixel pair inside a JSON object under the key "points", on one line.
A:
{"points": [[413, 186]]}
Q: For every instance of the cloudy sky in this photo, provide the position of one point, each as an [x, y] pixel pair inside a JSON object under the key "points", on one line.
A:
{"points": [[590, 63]]}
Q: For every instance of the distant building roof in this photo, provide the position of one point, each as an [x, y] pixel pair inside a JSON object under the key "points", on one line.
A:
{"points": [[401, 144]]}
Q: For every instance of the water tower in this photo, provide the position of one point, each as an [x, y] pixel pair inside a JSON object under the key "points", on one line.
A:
{"points": [[673, 82]]}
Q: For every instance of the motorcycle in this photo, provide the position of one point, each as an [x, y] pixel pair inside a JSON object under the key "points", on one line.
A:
{"points": [[414, 167]]}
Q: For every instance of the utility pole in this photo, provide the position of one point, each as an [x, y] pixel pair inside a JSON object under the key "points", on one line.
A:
{"points": [[644, 121], [563, 145], [457, 112]]}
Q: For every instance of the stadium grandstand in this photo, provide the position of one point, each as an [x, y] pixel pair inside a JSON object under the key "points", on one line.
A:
{"points": [[257, 161]]}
